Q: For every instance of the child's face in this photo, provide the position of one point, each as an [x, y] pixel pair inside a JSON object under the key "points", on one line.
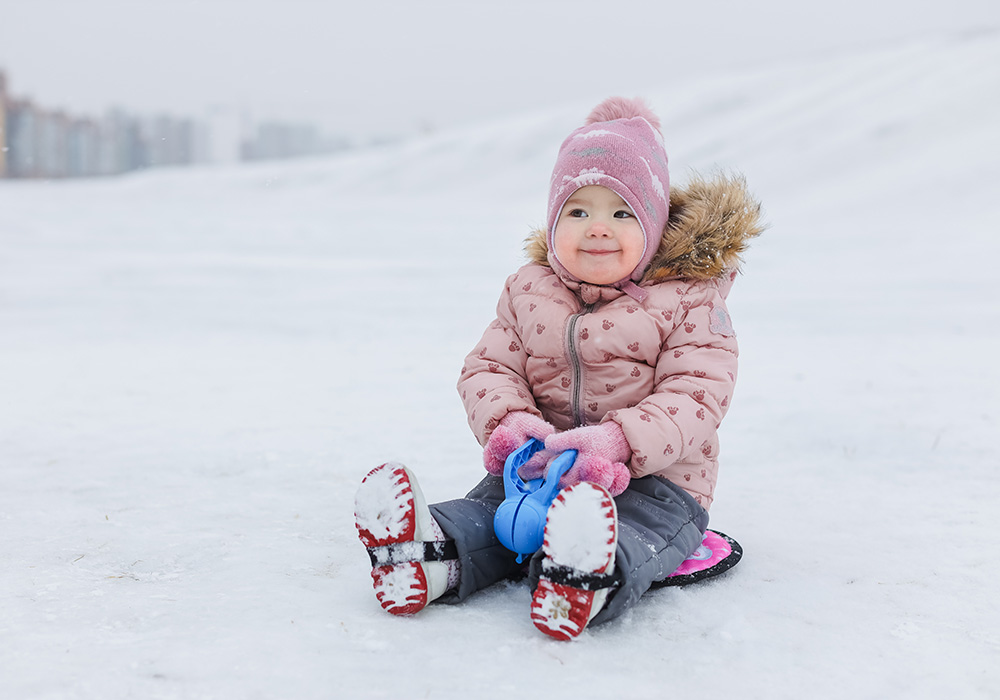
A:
{"points": [[597, 237]]}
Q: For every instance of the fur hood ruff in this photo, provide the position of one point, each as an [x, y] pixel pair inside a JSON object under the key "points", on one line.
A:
{"points": [[711, 223]]}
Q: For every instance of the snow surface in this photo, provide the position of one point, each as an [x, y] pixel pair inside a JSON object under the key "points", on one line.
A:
{"points": [[198, 367]]}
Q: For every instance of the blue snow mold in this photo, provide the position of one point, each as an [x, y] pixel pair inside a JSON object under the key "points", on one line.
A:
{"points": [[520, 520]]}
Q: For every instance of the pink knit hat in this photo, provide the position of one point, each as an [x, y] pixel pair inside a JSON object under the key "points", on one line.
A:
{"points": [[619, 147]]}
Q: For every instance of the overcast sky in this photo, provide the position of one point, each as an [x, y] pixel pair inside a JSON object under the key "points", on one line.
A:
{"points": [[378, 67]]}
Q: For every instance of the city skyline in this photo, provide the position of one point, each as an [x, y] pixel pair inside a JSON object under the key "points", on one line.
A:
{"points": [[42, 142]]}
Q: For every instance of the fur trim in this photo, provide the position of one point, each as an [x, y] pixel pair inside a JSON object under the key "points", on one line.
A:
{"points": [[711, 223], [622, 108]]}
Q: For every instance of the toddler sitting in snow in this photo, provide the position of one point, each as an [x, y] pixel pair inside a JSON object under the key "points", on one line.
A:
{"points": [[613, 341]]}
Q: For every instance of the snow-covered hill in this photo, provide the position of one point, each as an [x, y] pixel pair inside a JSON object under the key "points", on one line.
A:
{"points": [[198, 367]]}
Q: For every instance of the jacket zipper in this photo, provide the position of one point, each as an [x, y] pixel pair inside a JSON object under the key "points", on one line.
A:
{"points": [[572, 348]]}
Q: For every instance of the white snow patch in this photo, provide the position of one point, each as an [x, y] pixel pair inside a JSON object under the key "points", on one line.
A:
{"points": [[199, 367]]}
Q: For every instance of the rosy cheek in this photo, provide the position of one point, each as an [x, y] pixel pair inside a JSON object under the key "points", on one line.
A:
{"points": [[560, 246]]}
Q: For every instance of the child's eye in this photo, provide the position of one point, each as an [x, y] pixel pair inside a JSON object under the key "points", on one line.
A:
{"points": [[623, 214], [577, 213]]}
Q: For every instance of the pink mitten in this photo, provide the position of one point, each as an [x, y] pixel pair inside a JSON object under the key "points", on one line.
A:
{"points": [[602, 451], [514, 430]]}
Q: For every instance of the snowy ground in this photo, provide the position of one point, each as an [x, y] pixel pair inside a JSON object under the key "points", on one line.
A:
{"points": [[198, 367]]}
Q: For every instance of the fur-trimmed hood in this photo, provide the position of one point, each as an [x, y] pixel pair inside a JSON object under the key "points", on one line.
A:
{"points": [[710, 225]]}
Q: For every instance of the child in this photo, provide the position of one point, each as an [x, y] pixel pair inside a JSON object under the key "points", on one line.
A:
{"points": [[614, 341]]}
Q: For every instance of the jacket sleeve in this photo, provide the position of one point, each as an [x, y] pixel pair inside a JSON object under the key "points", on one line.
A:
{"points": [[493, 380], [694, 381]]}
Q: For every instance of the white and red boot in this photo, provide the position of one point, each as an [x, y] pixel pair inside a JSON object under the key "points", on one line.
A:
{"points": [[412, 562], [581, 535]]}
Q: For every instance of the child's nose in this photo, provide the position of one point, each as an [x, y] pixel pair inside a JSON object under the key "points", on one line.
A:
{"points": [[599, 229]]}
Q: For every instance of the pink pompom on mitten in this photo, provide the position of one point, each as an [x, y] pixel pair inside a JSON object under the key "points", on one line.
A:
{"points": [[513, 431], [602, 451]]}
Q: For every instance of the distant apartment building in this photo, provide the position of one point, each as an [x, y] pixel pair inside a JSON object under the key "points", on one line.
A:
{"points": [[22, 129], [274, 140], [3, 125], [174, 141], [83, 144], [41, 143]]}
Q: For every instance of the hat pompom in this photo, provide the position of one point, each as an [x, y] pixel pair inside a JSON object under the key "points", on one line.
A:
{"points": [[622, 108]]}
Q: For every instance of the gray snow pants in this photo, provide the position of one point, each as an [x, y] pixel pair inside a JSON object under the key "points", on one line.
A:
{"points": [[659, 525]]}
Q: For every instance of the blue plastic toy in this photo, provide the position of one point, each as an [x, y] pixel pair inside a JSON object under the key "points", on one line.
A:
{"points": [[520, 520]]}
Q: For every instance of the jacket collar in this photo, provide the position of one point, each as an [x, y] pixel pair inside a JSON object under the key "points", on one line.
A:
{"points": [[603, 293]]}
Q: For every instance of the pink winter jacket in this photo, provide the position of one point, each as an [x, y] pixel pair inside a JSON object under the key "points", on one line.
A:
{"points": [[663, 368]]}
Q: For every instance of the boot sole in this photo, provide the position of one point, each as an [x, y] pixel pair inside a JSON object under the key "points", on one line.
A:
{"points": [[581, 534], [390, 509]]}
